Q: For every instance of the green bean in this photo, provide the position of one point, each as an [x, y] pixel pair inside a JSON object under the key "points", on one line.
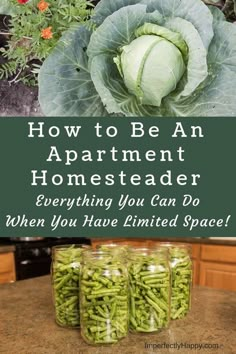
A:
{"points": [[149, 278], [97, 329], [122, 297], [162, 304], [104, 340], [142, 329], [98, 302], [91, 283], [178, 312], [101, 312], [104, 291], [99, 318], [153, 276], [113, 310], [155, 306], [108, 293], [104, 311]]}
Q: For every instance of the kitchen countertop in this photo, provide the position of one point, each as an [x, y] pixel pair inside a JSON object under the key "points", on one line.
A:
{"points": [[27, 325], [9, 246], [6, 249], [198, 240], [207, 241]]}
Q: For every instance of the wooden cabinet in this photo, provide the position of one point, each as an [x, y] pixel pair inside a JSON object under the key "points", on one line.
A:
{"points": [[7, 267], [220, 254], [218, 267], [196, 248], [195, 272], [218, 275]]}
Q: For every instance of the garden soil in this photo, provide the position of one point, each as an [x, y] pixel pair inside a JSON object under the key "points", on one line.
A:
{"points": [[18, 100]]}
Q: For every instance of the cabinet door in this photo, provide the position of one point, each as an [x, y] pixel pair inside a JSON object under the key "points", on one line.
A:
{"points": [[218, 275], [218, 253], [195, 250], [195, 272], [7, 267]]}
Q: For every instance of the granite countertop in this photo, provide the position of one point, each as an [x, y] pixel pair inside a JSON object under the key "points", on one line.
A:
{"points": [[27, 325]]}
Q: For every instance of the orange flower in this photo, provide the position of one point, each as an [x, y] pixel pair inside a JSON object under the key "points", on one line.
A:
{"points": [[46, 33], [42, 5]]}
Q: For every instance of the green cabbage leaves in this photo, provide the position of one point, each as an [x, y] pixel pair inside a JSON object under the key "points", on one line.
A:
{"points": [[143, 58]]}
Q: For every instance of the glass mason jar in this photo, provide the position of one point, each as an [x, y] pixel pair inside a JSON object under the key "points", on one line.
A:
{"points": [[149, 279], [181, 274], [65, 271], [103, 297], [115, 248]]}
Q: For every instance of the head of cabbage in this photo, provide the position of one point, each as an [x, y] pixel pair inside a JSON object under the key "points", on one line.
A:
{"points": [[143, 58], [152, 64]]}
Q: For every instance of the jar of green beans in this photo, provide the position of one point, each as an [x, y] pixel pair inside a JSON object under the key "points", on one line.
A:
{"points": [[149, 279], [103, 297], [65, 271], [115, 248], [181, 271]]}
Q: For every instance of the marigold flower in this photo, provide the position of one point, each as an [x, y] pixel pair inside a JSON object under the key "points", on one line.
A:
{"points": [[46, 33], [22, 1], [42, 5]]}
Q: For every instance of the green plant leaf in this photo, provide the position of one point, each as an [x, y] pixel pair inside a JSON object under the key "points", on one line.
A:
{"points": [[106, 8], [114, 94], [193, 11], [117, 30], [65, 86], [197, 70], [217, 14], [7, 8], [216, 96], [174, 37]]}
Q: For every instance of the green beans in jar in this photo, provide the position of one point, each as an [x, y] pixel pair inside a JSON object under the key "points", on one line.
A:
{"points": [[103, 298], [149, 279], [65, 272], [115, 248], [181, 269]]}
